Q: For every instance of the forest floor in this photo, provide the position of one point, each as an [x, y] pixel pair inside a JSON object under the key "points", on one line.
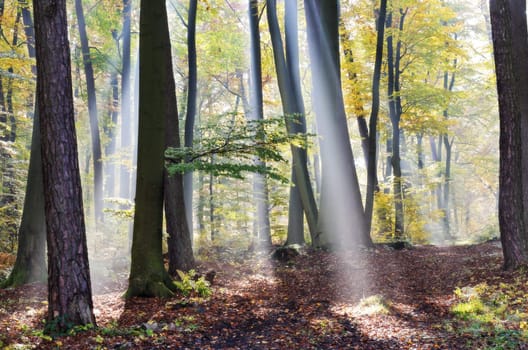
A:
{"points": [[419, 298]]}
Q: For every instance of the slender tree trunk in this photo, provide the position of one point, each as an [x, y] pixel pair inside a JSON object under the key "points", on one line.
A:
{"points": [[92, 111], [148, 277], [511, 204], [110, 150], [69, 287], [192, 95], [393, 59], [372, 164], [256, 112], [126, 103]]}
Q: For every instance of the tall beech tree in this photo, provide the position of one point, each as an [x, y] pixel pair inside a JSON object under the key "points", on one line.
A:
{"points": [[341, 219], [69, 287], [511, 204], [179, 240], [92, 112], [293, 109], [126, 101], [372, 164], [256, 112], [190, 117], [30, 264], [148, 276]]}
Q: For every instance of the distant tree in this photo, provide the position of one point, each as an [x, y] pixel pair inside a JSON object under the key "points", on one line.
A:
{"points": [[126, 100], [92, 111], [256, 112], [511, 205], [69, 287], [148, 276], [192, 97]]}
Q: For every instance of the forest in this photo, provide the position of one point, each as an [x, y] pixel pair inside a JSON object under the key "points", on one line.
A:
{"points": [[228, 174]]}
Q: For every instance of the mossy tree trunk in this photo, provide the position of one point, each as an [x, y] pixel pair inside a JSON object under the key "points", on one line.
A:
{"points": [[148, 276], [30, 264]]}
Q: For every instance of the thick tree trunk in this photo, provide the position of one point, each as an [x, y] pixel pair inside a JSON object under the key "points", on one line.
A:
{"points": [[148, 277], [343, 224], [92, 111], [520, 44], [511, 205], [30, 264], [69, 291]]}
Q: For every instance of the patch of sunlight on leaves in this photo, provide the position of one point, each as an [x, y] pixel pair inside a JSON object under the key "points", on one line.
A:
{"points": [[497, 312], [372, 305]]}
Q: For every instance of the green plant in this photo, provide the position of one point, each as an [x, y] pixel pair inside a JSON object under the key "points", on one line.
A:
{"points": [[189, 282]]}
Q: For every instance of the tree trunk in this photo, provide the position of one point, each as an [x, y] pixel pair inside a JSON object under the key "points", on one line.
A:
{"points": [[179, 241], [192, 95], [92, 111], [126, 103], [69, 287], [344, 224], [372, 162], [110, 149], [256, 112], [393, 59], [511, 204], [294, 111], [148, 277], [30, 264], [520, 44]]}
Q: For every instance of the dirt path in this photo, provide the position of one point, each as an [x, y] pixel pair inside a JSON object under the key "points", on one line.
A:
{"points": [[378, 299]]}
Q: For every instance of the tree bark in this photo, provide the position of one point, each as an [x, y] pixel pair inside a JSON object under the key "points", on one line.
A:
{"points": [[179, 241], [69, 288], [511, 205], [148, 277]]}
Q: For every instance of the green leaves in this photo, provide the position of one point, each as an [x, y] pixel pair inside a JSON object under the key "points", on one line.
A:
{"points": [[235, 146]]}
